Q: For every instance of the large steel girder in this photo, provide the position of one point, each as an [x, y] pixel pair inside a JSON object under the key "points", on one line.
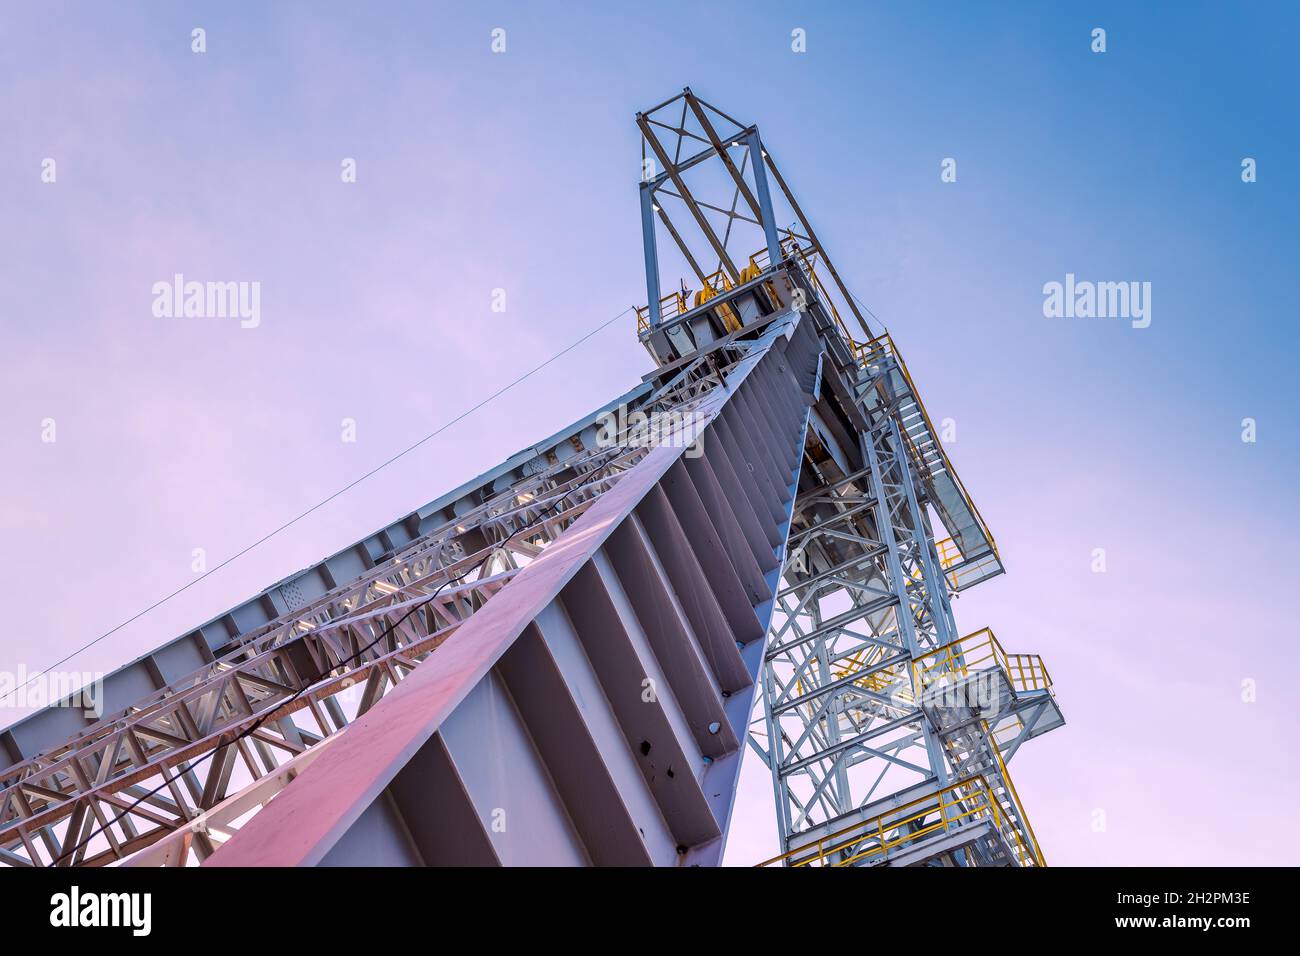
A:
{"points": [[594, 710], [249, 715]]}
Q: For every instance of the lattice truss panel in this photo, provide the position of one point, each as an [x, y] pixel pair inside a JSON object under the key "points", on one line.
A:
{"points": [[300, 679]]}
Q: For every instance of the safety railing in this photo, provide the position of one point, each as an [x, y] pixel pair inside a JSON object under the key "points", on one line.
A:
{"points": [[957, 659], [1031, 852], [960, 570], [967, 801], [676, 303], [807, 256], [882, 347], [866, 354], [980, 650], [670, 306], [1028, 672]]}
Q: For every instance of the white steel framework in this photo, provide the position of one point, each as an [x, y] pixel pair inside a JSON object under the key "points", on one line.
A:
{"points": [[578, 638]]}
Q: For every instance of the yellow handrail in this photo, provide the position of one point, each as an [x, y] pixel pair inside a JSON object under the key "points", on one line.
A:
{"points": [[674, 304], [968, 799], [1020, 807], [884, 344], [977, 651], [670, 306]]}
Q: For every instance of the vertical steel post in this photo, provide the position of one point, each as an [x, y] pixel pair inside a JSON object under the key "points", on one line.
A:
{"points": [[651, 251], [764, 196], [885, 528]]}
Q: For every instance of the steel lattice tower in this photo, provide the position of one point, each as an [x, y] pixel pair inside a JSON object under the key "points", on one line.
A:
{"points": [[886, 732], [561, 661]]}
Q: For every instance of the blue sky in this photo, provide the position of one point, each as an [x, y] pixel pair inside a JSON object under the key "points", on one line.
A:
{"points": [[518, 171]]}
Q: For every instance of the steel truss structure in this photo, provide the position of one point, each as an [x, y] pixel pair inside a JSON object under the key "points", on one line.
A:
{"points": [[560, 661], [886, 732]]}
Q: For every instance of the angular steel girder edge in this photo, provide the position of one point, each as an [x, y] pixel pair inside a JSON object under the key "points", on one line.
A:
{"points": [[313, 813]]}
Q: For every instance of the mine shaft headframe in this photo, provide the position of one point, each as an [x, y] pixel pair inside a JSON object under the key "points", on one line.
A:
{"points": [[727, 211]]}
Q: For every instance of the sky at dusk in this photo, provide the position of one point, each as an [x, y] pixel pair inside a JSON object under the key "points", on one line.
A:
{"points": [[518, 171]]}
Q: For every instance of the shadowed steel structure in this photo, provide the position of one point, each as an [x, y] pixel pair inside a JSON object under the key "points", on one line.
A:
{"points": [[559, 662]]}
